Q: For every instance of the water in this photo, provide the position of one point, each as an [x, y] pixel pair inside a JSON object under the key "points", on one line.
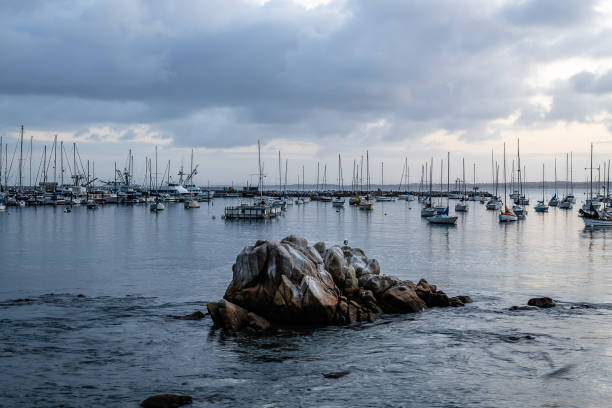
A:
{"points": [[119, 343]]}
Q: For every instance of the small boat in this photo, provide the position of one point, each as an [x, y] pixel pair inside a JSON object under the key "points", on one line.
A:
{"points": [[192, 204], [428, 211], [354, 200], [366, 204], [541, 207], [443, 218], [338, 202], [519, 211], [92, 205], [461, 206], [385, 198], [157, 206], [554, 201], [566, 203], [67, 210], [507, 216], [494, 204], [595, 218]]}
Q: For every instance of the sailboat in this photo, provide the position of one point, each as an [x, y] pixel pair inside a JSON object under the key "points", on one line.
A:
{"points": [[366, 203], [506, 215], [338, 202], [428, 210], [593, 217], [554, 201], [382, 196], [494, 202], [444, 217], [542, 207], [566, 203], [517, 208], [461, 206], [355, 199]]}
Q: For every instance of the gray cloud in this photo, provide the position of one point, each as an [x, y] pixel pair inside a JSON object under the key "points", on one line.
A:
{"points": [[224, 73]]}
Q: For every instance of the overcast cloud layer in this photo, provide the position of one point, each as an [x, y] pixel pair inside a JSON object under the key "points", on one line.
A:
{"points": [[222, 74]]}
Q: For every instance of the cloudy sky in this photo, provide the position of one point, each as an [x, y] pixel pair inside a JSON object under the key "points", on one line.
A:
{"points": [[312, 78]]}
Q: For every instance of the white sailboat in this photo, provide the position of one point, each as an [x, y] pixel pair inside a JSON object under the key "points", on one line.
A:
{"points": [[461, 206], [541, 206], [338, 201], [366, 203], [566, 203], [444, 217], [517, 208], [593, 217], [506, 215], [554, 201]]}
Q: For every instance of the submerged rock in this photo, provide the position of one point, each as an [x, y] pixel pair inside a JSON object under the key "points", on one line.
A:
{"points": [[291, 284], [197, 315], [166, 401], [542, 302], [338, 374]]}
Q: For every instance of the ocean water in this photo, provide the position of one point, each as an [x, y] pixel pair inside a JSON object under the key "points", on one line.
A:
{"points": [[118, 343]]}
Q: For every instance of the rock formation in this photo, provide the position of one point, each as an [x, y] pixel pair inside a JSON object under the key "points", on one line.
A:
{"points": [[292, 284]]}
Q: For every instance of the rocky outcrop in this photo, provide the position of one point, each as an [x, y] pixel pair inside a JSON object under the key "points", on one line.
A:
{"points": [[542, 302], [292, 284]]}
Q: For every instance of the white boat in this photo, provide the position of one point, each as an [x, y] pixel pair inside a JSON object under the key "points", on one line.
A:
{"points": [[428, 211], [2, 207], [566, 204], [191, 204], [507, 216], [454, 196], [385, 198], [338, 202], [444, 217], [554, 201], [494, 204], [519, 211], [461, 206], [541, 207], [366, 205], [92, 205], [157, 206]]}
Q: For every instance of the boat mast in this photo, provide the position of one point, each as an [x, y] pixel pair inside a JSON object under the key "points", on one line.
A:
{"points": [[21, 160], [31, 140], [555, 176], [447, 179], [286, 166], [155, 169], [542, 183], [62, 162], [591, 168], [259, 166], [464, 189], [368, 169], [505, 192], [280, 175]]}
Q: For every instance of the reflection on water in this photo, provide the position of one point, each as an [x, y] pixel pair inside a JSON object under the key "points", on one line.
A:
{"points": [[137, 269]]}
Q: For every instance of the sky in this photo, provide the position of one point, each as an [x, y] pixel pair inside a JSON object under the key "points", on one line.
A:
{"points": [[313, 79]]}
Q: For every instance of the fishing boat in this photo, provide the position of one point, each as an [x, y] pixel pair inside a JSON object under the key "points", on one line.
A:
{"points": [[444, 218], [506, 215], [260, 209]]}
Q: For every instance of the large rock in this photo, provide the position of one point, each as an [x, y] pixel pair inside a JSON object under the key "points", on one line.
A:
{"points": [[401, 299], [290, 283], [542, 302]]}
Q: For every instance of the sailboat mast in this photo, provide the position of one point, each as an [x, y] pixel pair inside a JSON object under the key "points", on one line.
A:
{"points": [[259, 166], [368, 169], [591, 167], [21, 160], [280, 175], [62, 162], [505, 192], [31, 140]]}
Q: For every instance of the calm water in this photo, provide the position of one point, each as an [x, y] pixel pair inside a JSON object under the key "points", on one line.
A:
{"points": [[118, 345]]}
